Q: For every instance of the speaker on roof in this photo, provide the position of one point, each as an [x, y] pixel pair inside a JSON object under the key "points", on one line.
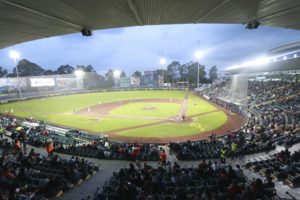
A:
{"points": [[86, 32]]}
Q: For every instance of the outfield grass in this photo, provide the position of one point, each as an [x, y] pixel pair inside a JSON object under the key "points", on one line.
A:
{"points": [[62, 104], [59, 110], [142, 109], [93, 123]]}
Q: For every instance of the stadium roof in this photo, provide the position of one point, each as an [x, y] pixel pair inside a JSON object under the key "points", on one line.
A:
{"points": [[281, 58], [29, 20]]}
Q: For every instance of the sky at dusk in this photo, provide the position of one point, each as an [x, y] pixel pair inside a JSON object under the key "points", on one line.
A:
{"points": [[140, 48]]}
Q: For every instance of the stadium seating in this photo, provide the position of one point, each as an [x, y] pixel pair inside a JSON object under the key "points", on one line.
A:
{"points": [[274, 120], [210, 180], [32, 176], [283, 166], [113, 150]]}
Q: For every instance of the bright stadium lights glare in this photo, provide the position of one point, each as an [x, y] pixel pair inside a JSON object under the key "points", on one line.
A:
{"points": [[295, 55], [256, 62], [233, 67], [198, 55], [14, 55], [117, 74], [261, 61], [274, 59], [284, 58], [79, 73], [162, 61]]}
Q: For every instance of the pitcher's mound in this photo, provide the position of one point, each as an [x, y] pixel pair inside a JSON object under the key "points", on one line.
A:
{"points": [[149, 108]]}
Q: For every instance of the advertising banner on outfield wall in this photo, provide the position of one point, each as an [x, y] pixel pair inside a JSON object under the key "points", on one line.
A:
{"points": [[135, 81], [13, 82], [67, 83], [42, 82]]}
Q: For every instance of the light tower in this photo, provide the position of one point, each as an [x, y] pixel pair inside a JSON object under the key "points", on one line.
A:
{"points": [[117, 74], [163, 61], [16, 56], [198, 55]]}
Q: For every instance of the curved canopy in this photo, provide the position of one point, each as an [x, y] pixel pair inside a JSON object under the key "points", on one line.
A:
{"points": [[25, 20]]}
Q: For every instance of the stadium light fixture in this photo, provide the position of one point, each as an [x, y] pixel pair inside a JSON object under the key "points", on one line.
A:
{"points": [[284, 58], [13, 54], [79, 73], [198, 55], [261, 61], [162, 61], [117, 74], [295, 55], [256, 62]]}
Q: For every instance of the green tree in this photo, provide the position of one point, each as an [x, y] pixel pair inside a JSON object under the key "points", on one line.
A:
{"points": [[109, 78], [94, 80], [65, 69], [183, 72], [3, 72], [173, 71], [202, 74], [49, 72], [123, 74], [188, 72], [27, 68], [213, 73], [88, 68], [137, 74]]}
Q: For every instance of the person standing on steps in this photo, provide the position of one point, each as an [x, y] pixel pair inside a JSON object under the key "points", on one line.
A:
{"points": [[163, 157]]}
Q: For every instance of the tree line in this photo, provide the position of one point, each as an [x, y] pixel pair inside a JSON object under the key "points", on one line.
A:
{"points": [[173, 73]]}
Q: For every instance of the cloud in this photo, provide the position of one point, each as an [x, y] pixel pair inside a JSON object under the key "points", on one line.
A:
{"points": [[139, 48]]}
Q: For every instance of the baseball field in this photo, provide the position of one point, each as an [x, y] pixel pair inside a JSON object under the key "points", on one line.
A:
{"points": [[157, 115]]}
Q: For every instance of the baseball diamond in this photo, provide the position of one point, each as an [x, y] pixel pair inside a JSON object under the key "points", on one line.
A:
{"points": [[147, 115]]}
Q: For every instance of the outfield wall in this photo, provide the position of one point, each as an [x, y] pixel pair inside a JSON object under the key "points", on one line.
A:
{"points": [[32, 95]]}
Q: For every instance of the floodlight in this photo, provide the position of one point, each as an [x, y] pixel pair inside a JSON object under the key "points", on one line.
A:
{"points": [[198, 55], [261, 61], [247, 63], [79, 73], [117, 74], [284, 58], [295, 55], [14, 55], [162, 61]]}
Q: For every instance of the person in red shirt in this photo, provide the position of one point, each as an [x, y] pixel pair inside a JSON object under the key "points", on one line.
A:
{"points": [[17, 145], [50, 148], [163, 157], [234, 189]]}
